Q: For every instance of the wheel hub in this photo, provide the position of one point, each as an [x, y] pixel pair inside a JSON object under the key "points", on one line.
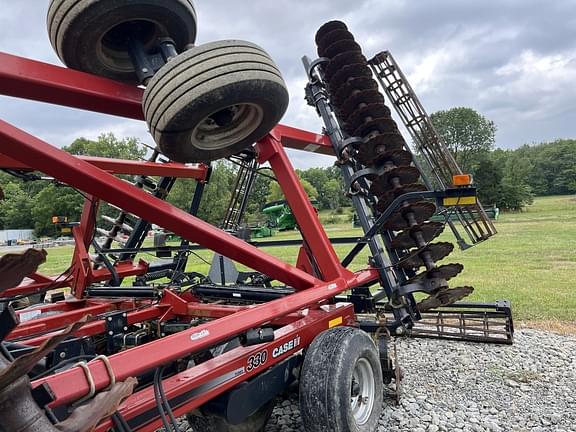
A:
{"points": [[227, 126]]}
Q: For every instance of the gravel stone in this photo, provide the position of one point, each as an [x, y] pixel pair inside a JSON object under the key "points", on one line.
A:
{"points": [[466, 387]]}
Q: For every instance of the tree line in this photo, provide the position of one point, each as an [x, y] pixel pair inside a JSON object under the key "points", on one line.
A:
{"points": [[508, 179], [30, 200]]}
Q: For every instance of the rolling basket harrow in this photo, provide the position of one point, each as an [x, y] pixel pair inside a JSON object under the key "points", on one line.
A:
{"points": [[136, 344]]}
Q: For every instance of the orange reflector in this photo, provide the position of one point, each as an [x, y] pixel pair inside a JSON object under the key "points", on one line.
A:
{"points": [[462, 180]]}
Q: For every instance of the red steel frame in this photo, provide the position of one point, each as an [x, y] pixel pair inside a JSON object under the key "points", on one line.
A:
{"points": [[303, 314]]}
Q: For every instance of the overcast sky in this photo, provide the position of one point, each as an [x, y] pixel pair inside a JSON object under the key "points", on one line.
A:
{"points": [[511, 60]]}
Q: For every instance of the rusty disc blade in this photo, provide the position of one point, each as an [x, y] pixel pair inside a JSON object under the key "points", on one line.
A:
{"points": [[445, 272], [365, 114], [421, 210], [331, 37], [368, 155], [341, 60], [382, 143], [328, 27], [358, 98], [414, 259], [341, 46], [349, 72], [405, 174], [387, 197], [444, 298], [406, 239], [383, 125], [342, 93]]}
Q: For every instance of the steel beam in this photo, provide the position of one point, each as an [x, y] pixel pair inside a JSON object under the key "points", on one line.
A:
{"points": [[270, 150], [132, 167], [22, 146]]}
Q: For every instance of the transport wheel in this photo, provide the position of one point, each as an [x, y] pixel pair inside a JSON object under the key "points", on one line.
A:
{"points": [[341, 386], [255, 423], [91, 35], [214, 100]]}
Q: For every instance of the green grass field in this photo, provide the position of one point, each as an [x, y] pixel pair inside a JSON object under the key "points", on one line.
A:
{"points": [[532, 260]]}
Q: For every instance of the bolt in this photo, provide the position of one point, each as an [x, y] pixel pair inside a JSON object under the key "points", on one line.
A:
{"points": [[62, 354], [109, 318], [111, 333], [399, 330], [125, 328]]}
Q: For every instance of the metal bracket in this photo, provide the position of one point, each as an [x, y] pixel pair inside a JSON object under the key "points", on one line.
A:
{"points": [[116, 324]]}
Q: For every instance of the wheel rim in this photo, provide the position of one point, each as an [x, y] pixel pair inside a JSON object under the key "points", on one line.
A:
{"points": [[227, 126], [362, 391], [112, 49]]}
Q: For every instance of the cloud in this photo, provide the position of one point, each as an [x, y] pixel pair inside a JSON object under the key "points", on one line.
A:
{"points": [[512, 60]]}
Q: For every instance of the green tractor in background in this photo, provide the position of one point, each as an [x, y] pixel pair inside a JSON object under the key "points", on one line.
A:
{"points": [[279, 217]]}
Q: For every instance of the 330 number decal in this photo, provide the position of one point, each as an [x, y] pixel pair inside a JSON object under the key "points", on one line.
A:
{"points": [[257, 360]]}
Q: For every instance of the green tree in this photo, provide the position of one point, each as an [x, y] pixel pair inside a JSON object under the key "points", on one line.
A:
{"points": [[258, 196], [276, 193], [466, 133], [107, 145], [488, 177], [55, 201], [215, 197], [332, 193], [182, 193], [553, 167], [217, 193], [501, 178], [16, 207], [329, 184]]}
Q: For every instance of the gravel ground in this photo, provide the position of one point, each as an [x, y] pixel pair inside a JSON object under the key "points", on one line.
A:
{"points": [[465, 387], [462, 387]]}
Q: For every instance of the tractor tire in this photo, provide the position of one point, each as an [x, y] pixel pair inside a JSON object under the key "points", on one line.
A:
{"points": [[214, 100], [341, 386], [255, 423], [90, 35]]}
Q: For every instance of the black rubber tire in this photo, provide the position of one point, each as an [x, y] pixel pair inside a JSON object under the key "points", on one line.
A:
{"points": [[79, 31], [188, 91], [255, 423], [326, 381]]}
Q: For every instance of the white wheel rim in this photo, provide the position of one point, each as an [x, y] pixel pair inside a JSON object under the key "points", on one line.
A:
{"points": [[208, 135], [362, 391]]}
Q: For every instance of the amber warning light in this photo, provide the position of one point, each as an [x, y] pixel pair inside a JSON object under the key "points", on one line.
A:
{"points": [[462, 180]]}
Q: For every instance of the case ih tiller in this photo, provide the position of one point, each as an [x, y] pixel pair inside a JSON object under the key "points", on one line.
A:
{"points": [[136, 344]]}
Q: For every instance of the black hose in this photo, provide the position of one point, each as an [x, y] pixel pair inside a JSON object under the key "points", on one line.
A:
{"points": [[158, 398], [120, 423], [167, 403]]}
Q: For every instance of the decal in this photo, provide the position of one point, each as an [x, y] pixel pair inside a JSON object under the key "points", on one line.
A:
{"points": [[200, 335], [257, 360], [286, 347]]}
